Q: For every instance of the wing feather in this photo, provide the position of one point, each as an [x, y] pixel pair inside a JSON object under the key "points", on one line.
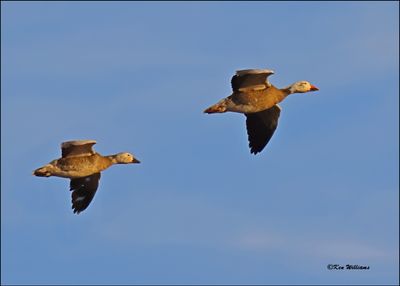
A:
{"points": [[77, 148], [83, 191], [249, 79], [260, 127]]}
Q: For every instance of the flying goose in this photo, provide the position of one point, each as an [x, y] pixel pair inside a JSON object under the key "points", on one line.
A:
{"points": [[80, 163], [258, 99]]}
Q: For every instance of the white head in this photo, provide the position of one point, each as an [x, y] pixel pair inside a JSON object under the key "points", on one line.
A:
{"points": [[124, 158], [301, 87]]}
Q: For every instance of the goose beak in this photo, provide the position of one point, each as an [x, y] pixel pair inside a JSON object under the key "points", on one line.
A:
{"points": [[134, 160], [314, 88]]}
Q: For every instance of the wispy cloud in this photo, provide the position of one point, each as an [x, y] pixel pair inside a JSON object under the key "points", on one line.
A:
{"points": [[295, 246], [187, 221]]}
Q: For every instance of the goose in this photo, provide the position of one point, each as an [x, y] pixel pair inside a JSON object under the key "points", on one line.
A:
{"points": [[255, 97], [80, 163]]}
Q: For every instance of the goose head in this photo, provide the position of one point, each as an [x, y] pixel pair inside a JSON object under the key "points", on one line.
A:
{"points": [[124, 158], [302, 87]]}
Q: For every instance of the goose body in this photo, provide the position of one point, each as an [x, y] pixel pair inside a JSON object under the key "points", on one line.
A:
{"points": [[81, 164], [77, 166], [252, 101], [254, 96]]}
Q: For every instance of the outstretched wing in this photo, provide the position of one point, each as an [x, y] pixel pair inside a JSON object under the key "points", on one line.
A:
{"points": [[253, 79], [261, 126], [77, 148], [83, 190]]}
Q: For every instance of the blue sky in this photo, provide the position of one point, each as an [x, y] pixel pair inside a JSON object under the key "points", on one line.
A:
{"points": [[200, 208]]}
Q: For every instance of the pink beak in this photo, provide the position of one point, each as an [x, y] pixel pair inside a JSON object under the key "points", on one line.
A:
{"points": [[314, 88]]}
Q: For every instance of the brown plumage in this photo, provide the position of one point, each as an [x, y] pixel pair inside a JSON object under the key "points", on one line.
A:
{"points": [[81, 164], [258, 99]]}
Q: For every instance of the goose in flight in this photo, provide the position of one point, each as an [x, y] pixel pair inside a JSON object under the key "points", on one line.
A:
{"points": [[80, 163], [255, 97]]}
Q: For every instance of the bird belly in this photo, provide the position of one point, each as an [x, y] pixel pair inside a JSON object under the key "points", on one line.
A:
{"points": [[73, 174], [242, 108]]}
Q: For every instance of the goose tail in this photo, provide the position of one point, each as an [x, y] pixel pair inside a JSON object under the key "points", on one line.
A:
{"points": [[220, 107], [42, 172]]}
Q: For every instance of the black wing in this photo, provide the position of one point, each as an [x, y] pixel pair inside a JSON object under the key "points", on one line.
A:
{"points": [[83, 190], [261, 126], [250, 78]]}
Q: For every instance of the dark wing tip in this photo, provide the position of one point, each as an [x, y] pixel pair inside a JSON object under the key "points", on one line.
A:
{"points": [[254, 151]]}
